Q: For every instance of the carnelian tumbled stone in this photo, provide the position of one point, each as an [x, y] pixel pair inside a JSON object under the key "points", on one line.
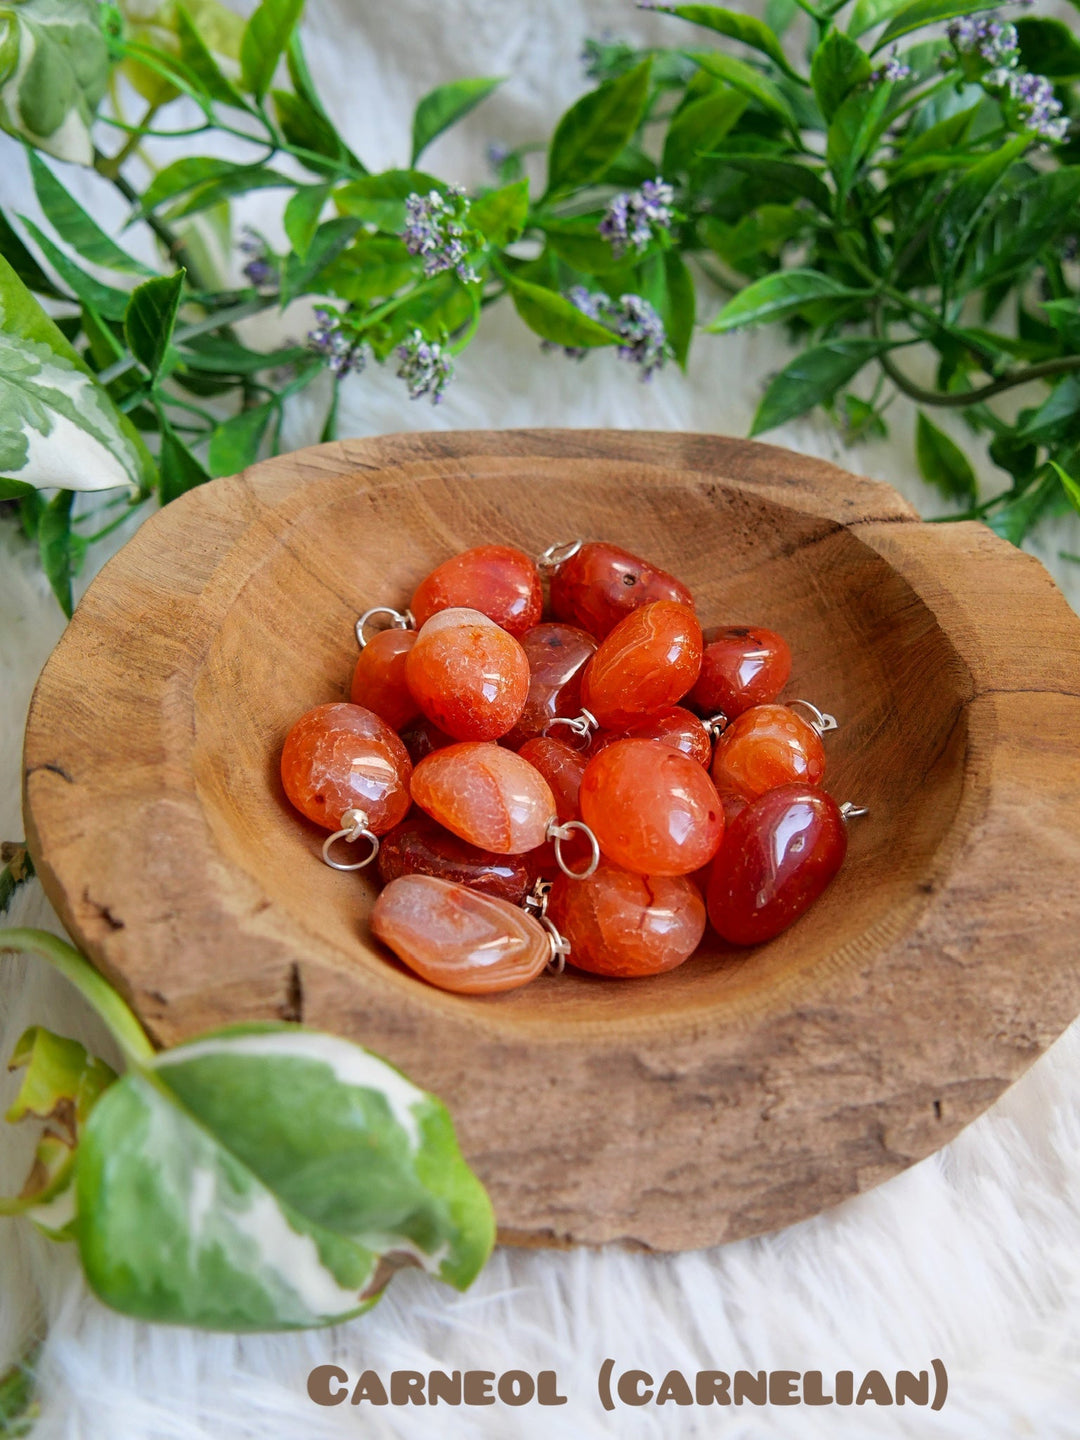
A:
{"points": [[557, 656], [767, 746], [601, 585], [457, 938], [379, 682], [652, 809], [468, 676], [623, 924], [779, 855], [649, 661], [418, 846], [742, 666], [562, 768], [674, 726], [342, 757], [500, 582], [487, 795]]}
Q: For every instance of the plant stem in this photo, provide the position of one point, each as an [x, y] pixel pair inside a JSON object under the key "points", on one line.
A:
{"points": [[960, 400], [200, 327]]}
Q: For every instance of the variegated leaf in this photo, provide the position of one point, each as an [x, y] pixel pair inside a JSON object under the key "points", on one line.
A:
{"points": [[54, 66]]}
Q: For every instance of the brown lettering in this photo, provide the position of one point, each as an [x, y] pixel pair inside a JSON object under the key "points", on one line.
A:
{"points": [[369, 1387], [783, 1387], [812, 1391], [749, 1386], [407, 1387], [845, 1387], [674, 1387], [478, 1385], [547, 1389], [318, 1385], [444, 1387], [915, 1388], [633, 1387], [516, 1387], [874, 1387], [712, 1387]]}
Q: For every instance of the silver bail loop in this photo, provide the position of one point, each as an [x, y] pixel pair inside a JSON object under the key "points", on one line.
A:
{"points": [[399, 620], [852, 812], [582, 727], [558, 554], [558, 833], [819, 721], [535, 904], [716, 725], [355, 827]]}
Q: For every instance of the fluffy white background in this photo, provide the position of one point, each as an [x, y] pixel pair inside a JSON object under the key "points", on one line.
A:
{"points": [[972, 1256]]}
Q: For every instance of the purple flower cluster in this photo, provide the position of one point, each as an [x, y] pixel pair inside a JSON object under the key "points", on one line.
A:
{"points": [[893, 69], [435, 229], [989, 52], [260, 270], [990, 41], [1037, 107], [643, 339], [327, 339], [634, 217], [425, 367]]}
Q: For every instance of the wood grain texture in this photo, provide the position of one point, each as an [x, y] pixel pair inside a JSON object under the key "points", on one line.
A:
{"points": [[741, 1092]]}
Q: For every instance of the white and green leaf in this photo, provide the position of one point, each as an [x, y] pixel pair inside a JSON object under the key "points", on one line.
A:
{"points": [[54, 66]]}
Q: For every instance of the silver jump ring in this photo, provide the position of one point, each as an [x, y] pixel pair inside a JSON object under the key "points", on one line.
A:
{"points": [[818, 720], [560, 947], [582, 727], [852, 812], [558, 833], [399, 620], [716, 725], [355, 828], [556, 555]]}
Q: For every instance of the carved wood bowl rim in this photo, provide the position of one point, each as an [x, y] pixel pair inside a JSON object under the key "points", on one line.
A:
{"points": [[657, 1123]]}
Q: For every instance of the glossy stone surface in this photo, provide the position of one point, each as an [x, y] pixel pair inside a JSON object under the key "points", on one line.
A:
{"points": [[340, 757], [648, 662], [779, 855], [420, 737], [457, 938], [557, 656], [562, 768], [675, 726], [487, 795], [767, 746], [499, 581], [652, 809], [379, 682], [469, 677], [418, 846], [602, 584], [622, 924], [742, 665]]}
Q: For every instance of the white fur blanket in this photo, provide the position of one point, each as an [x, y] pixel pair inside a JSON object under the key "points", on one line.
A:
{"points": [[972, 1256]]}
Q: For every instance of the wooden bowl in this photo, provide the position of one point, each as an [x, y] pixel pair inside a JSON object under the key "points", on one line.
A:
{"points": [[743, 1091]]}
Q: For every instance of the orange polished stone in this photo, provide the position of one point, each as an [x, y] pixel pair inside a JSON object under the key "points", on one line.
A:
{"points": [[622, 924], [674, 726], [557, 656], [562, 768], [779, 855], [469, 677], [764, 747], [652, 809], [418, 846], [379, 681], [340, 757], [743, 665], [420, 737], [499, 581], [457, 938], [487, 795], [601, 585], [648, 662]]}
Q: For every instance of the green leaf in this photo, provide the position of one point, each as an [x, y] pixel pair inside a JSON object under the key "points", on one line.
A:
{"points": [[55, 547], [924, 12], [265, 38], [303, 120], [777, 296], [200, 62], [380, 199], [1068, 484], [74, 225], [242, 181], [1048, 47], [788, 176], [302, 216], [965, 206], [374, 268], [1013, 521], [57, 425], [942, 463], [23, 263], [301, 277], [838, 66], [595, 129], [183, 175], [854, 132], [553, 317], [54, 66], [577, 240], [677, 305], [700, 126], [868, 13], [745, 78], [437, 307], [180, 471], [756, 239], [207, 1196], [1058, 417], [151, 319], [234, 444], [500, 215], [736, 26], [105, 299], [219, 356], [811, 378], [445, 106], [1047, 210]]}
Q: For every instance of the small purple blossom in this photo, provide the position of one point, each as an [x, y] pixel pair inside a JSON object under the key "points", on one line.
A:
{"points": [[989, 41], [425, 367], [260, 270], [643, 339], [498, 154], [1037, 107], [634, 217], [342, 355], [894, 69], [435, 229]]}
